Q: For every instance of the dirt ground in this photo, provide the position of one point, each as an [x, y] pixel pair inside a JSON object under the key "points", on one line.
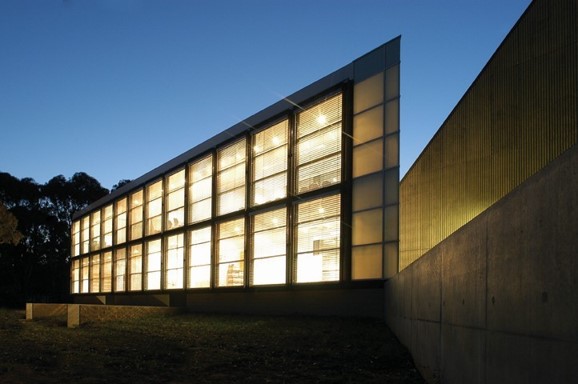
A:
{"points": [[196, 348]]}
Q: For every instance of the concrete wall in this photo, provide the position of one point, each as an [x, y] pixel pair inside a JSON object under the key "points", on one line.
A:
{"points": [[497, 301], [321, 301]]}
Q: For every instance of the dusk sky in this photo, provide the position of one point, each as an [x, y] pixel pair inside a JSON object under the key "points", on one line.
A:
{"points": [[115, 88]]}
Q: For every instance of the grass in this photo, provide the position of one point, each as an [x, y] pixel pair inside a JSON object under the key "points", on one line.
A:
{"points": [[203, 349]]}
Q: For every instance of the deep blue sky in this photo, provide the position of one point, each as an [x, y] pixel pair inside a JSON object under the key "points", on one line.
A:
{"points": [[115, 88]]}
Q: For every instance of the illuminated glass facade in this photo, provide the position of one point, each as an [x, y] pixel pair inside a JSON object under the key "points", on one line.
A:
{"points": [[306, 195]]}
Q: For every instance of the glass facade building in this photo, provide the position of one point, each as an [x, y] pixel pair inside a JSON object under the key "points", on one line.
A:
{"points": [[304, 199]]}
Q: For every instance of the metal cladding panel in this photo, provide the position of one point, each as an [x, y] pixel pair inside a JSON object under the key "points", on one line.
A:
{"points": [[518, 115]]}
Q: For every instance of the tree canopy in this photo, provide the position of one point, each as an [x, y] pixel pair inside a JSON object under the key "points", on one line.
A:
{"points": [[35, 251]]}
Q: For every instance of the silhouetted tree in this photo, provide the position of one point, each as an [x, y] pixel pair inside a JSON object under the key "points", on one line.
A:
{"points": [[8, 223], [39, 264], [120, 183]]}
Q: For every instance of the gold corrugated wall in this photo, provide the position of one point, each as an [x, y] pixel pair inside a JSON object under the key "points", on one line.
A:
{"points": [[520, 113]]}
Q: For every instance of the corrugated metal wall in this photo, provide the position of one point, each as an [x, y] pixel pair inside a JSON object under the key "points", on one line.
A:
{"points": [[520, 113]]}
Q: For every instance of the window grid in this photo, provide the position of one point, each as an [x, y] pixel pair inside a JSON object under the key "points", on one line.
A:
{"points": [[269, 248], [231, 253], [154, 208], [175, 200], [136, 215], [200, 189], [75, 276], [318, 146], [120, 270], [153, 265], [270, 164], [120, 221], [231, 178], [107, 226], [318, 240], [200, 258], [135, 268], [95, 273], [318, 164], [174, 259], [95, 231], [106, 278], [75, 238]]}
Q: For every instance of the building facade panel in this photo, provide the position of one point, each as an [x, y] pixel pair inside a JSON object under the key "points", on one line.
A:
{"points": [[260, 208], [518, 115]]}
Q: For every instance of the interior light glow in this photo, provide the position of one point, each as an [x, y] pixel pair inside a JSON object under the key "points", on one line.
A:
{"points": [[321, 119], [275, 140]]}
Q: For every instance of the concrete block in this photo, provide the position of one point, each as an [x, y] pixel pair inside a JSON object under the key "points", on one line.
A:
{"points": [[425, 349], [73, 319], [426, 286], [463, 352], [35, 311], [464, 276]]}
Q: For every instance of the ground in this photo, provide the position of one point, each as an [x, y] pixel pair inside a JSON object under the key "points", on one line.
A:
{"points": [[195, 348]]}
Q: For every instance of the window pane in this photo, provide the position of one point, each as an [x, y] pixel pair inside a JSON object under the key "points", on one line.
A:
{"points": [[153, 265], [368, 192], [121, 221], [200, 258], [95, 274], [318, 240], [75, 276], [136, 215], [367, 227], [368, 125], [200, 189], [85, 271], [318, 149], [368, 93], [95, 231], [135, 267], [154, 208], [367, 262], [175, 253], [231, 253], [392, 151], [75, 239], [106, 279], [85, 235], [231, 178], [368, 158], [120, 270], [269, 248], [175, 200], [270, 164]]}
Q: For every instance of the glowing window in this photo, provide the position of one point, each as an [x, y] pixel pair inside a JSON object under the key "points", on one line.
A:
{"points": [[154, 207], [75, 238], [175, 254], [120, 270], [95, 273], [85, 238], [120, 221], [85, 273], [231, 253], [175, 200], [107, 226], [270, 164], [231, 178], [95, 231], [153, 265], [318, 240], [200, 189], [136, 216], [200, 258], [75, 276], [318, 150], [135, 267], [268, 257], [106, 277]]}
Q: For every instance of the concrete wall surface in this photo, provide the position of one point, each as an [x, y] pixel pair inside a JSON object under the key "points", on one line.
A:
{"points": [[497, 301], [35, 311]]}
